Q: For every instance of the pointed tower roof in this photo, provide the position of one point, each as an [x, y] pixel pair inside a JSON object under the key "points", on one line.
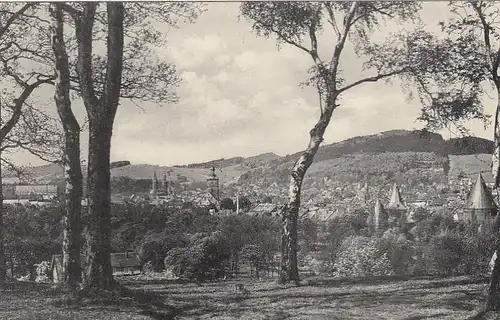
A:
{"points": [[379, 209], [395, 201], [380, 216], [480, 197]]}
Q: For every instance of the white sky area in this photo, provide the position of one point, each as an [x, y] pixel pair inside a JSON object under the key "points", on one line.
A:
{"points": [[240, 96]]}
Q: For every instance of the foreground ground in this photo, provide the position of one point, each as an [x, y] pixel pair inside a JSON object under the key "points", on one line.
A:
{"points": [[425, 298]]}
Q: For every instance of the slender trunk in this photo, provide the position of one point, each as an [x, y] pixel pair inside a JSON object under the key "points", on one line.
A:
{"points": [[289, 268], [98, 273], [2, 227], [493, 300], [71, 160]]}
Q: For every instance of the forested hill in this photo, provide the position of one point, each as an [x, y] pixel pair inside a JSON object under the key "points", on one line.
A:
{"points": [[232, 169]]}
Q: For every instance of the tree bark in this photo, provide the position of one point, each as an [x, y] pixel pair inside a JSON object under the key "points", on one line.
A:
{"points": [[71, 159], [2, 227], [289, 268], [101, 113], [99, 273]]}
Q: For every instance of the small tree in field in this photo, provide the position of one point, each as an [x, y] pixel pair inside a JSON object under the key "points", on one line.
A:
{"points": [[298, 24]]}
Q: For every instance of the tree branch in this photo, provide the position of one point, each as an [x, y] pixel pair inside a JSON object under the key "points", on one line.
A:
{"points": [[334, 64], [373, 79], [487, 41], [13, 17], [332, 21], [84, 24], [112, 86]]}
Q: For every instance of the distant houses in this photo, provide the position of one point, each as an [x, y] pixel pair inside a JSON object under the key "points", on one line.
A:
{"points": [[40, 192]]}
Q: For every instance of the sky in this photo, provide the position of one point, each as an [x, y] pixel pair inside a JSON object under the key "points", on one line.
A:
{"points": [[240, 96]]}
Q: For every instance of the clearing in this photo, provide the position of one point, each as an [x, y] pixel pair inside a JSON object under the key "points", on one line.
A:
{"points": [[389, 298]]}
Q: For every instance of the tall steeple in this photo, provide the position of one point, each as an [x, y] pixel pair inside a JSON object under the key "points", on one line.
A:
{"points": [[165, 184], [395, 201], [480, 203], [213, 184], [380, 217]]}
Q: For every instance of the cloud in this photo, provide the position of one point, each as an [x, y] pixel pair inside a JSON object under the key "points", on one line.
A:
{"points": [[240, 96]]}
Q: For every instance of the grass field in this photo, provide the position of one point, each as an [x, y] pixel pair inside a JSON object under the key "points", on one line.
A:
{"points": [[424, 298]]}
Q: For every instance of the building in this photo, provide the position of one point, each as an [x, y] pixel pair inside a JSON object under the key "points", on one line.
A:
{"points": [[395, 202], [165, 189], [266, 209], [206, 200], [125, 263], [42, 192], [378, 220], [213, 184], [364, 193], [480, 205]]}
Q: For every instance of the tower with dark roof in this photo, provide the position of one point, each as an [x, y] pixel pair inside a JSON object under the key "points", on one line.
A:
{"points": [[213, 184], [165, 185], [480, 204]]}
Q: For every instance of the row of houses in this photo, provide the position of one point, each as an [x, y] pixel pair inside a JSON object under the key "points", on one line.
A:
{"points": [[40, 192]]}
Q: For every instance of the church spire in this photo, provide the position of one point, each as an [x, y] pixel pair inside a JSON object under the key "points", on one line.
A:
{"points": [[395, 201], [165, 184]]}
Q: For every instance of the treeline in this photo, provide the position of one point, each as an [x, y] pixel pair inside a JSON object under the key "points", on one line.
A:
{"points": [[434, 245]]}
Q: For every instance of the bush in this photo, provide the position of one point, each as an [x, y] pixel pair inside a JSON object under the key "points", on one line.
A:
{"points": [[155, 247], [361, 257], [206, 257]]}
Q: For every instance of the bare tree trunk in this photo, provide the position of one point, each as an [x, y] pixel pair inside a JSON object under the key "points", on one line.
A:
{"points": [[99, 272], [72, 169], [2, 228], [289, 268], [101, 113]]}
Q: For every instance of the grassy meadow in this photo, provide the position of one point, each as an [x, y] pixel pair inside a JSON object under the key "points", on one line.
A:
{"points": [[326, 298]]}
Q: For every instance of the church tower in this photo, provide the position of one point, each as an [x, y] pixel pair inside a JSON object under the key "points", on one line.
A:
{"points": [[213, 184], [165, 185]]}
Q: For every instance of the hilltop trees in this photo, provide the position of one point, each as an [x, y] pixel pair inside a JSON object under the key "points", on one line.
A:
{"points": [[298, 24]]}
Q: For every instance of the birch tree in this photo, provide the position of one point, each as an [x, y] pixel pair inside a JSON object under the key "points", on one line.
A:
{"points": [[299, 24], [466, 72], [71, 156]]}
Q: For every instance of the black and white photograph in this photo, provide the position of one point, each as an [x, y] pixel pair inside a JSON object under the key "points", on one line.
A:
{"points": [[257, 160]]}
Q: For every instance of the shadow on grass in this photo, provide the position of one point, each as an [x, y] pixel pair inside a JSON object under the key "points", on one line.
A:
{"points": [[436, 281], [121, 298], [438, 315]]}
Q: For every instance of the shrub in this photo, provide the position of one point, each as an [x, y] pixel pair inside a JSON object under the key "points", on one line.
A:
{"points": [[361, 257], [206, 257]]}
